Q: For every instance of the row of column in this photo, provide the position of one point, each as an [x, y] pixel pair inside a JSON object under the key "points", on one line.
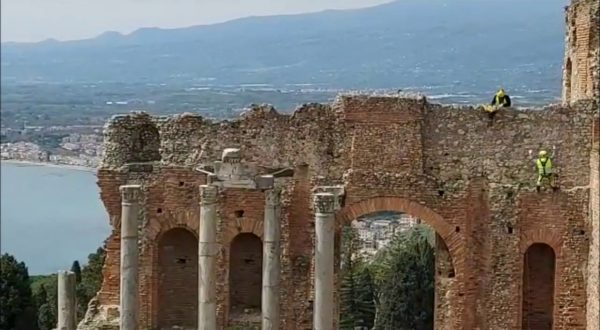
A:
{"points": [[207, 255]]}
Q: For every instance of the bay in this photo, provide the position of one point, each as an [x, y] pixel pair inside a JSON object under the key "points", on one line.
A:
{"points": [[50, 216]]}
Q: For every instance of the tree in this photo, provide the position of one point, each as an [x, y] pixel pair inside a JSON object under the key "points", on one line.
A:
{"points": [[91, 280], [45, 290], [75, 268], [349, 248], [407, 292], [364, 299], [45, 317], [15, 294], [357, 289], [347, 301]]}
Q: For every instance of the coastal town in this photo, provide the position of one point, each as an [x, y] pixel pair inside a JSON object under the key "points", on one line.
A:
{"points": [[72, 146], [376, 231]]}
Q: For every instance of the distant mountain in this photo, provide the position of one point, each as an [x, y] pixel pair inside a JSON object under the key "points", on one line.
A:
{"points": [[450, 46]]}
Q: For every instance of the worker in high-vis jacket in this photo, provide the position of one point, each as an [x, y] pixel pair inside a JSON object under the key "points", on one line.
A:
{"points": [[544, 169], [500, 100]]}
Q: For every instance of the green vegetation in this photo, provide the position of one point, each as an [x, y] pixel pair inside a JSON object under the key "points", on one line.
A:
{"points": [[395, 290], [91, 280], [30, 303], [15, 294]]}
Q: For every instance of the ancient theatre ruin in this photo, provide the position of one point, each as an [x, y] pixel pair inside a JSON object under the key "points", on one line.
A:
{"points": [[242, 218]]}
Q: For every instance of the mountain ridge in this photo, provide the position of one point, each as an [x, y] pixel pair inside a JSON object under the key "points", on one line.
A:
{"points": [[402, 43]]}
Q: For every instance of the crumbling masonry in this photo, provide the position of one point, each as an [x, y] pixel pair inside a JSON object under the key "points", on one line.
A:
{"points": [[507, 257]]}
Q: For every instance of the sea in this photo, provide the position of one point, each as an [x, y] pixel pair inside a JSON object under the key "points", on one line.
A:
{"points": [[50, 216]]}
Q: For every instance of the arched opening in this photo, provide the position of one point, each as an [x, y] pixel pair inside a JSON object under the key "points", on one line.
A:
{"points": [[538, 287], [178, 279], [391, 266], [245, 278]]}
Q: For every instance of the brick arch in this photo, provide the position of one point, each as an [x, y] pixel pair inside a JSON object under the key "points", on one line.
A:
{"points": [[449, 234], [158, 225], [539, 287], [552, 239], [541, 235], [242, 226]]}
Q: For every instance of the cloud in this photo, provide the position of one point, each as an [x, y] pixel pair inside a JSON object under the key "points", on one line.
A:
{"points": [[35, 20]]}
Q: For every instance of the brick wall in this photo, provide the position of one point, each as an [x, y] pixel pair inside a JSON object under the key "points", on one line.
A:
{"points": [[178, 279], [445, 276], [241, 213], [593, 275], [472, 183], [581, 79], [245, 273]]}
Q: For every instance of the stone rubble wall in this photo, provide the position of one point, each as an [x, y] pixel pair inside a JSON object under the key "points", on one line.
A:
{"points": [[472, 183]]}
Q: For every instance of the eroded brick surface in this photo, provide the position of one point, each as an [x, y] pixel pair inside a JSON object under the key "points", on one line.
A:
{"points": [[581, 75]]}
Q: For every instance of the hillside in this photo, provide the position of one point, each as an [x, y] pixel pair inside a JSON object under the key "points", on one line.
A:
{"points": [[426, 44]]}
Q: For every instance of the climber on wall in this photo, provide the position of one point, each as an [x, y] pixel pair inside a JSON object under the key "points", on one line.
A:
{"points": [[501, 99], [544, 168]]}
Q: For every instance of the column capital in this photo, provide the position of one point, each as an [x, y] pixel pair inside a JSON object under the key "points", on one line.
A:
{"points": [[273, 197], [131, 193], [208, 194], [324, 202]]}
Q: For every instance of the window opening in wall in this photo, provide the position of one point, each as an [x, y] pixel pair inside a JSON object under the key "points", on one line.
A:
{"points": [[239, 213]]}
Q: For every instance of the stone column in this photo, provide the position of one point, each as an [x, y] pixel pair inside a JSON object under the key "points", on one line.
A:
{"points": [[207, 259], [130, 212], [271, 263], [324, 206], [67, 303]]}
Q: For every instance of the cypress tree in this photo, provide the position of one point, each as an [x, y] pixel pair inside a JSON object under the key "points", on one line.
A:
{"points": [[364, 299], [407, 292], [75, 268]]}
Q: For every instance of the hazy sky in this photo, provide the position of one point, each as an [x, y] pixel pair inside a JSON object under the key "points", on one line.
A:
{"points": [[35, 20]]}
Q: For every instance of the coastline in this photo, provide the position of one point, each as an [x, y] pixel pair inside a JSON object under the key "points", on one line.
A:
{"points": [[63, 166]]}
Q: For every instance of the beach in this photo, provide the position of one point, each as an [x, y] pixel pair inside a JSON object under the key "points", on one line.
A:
{"points": [[55, 165]]}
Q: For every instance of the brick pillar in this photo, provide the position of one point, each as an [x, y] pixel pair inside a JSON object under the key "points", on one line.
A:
{"points": [[67, 304], [324, 206], [130, 196], [207, 258], [271, 262]]}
